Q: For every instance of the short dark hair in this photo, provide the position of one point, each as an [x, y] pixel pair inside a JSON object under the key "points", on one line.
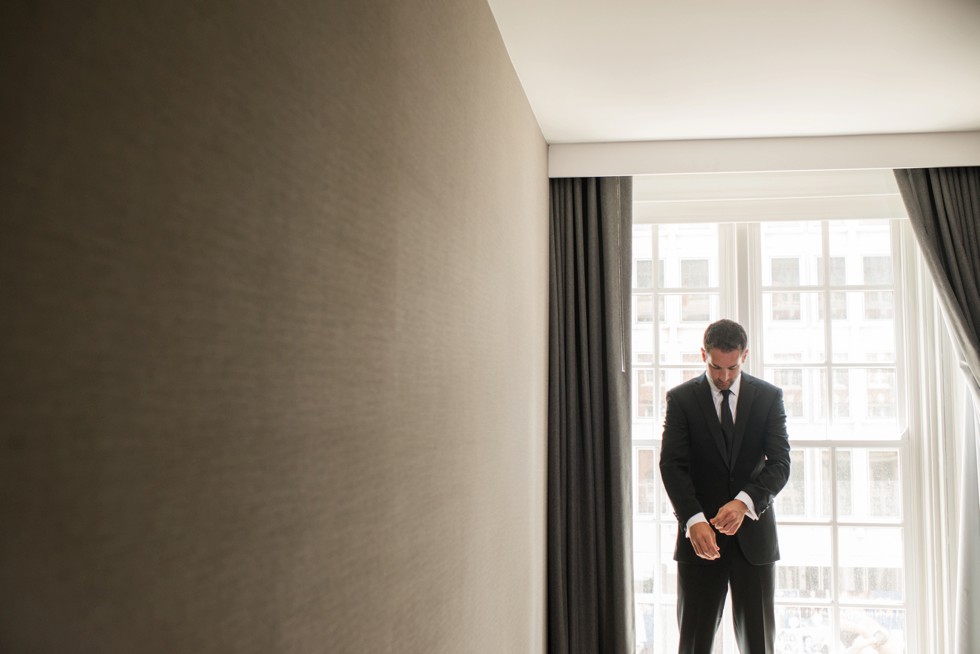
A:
{"points": [[725, 335]]}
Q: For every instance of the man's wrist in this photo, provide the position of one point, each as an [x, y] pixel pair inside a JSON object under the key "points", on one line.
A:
{"points": [[693, 520], [744, 498]]}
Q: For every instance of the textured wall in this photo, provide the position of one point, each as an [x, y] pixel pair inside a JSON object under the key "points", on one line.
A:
{"points": [[273, 330]]}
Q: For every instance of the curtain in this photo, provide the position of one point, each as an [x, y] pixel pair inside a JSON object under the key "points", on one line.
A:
{"points": [[590, 599], [944, 208]]}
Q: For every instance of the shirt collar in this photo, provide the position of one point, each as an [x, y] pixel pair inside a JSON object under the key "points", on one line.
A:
{"points": [[734, 388]]}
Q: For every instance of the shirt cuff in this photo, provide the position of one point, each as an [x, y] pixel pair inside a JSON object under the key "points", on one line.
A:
{"points": [[695, 519], [742, 495]]}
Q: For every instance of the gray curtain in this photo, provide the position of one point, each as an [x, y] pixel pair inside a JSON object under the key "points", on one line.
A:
{"points": [[590, 598], [944, 208]]}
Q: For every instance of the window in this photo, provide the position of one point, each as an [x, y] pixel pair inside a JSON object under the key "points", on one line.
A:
{"points": [[694, 273], [884, 490], [643, 308], [695, 308], [791, 381], [643, 405], [878, 305], [841, 401], [785, 272], [837, 275], [877, 270], [818, 299], [644, 273], [881, 392], [646, 491]]}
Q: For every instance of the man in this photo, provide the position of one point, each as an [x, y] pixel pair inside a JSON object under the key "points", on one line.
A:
{"points": [[722, 473]]}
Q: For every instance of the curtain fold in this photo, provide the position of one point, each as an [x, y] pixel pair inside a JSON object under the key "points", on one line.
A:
{"points": [[590, 598], [944, 209]]}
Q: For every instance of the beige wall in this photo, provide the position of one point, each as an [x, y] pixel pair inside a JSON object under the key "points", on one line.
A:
{"points": [[273, 330]]}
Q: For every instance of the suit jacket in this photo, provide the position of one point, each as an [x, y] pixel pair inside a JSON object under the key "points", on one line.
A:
{"points": [[700, 477]]}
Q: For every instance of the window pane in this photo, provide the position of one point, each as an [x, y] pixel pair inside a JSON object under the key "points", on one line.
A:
{"points": [[885, 492], [791, 381], [871, 563], [694, 273], [845, 483], [881, 393], [668, 569], [698, 308], [860, 339], [799, 339], [803, 629], [643, 404], [656, 629], [642, 344], [865, 246], [646, 621], [837, 275], [782, 306], [804, 570], [879, 305], [643, 241], [644, 273], [865, 404], [644, 565], [646, 627], [670, 377], [785, 271], [838, 306], [647, 482], [841, 395], [690, 255], [803, 399], [690, 307], [807, 495], [791, 501], [680, 338], [642, 308], [878, 269], [873, 630], [869, 484], [791, 253]]}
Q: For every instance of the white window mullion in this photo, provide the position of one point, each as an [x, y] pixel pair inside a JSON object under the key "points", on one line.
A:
{"points": [[829, 318], [835, 580], [658, 284], [749, 309]]}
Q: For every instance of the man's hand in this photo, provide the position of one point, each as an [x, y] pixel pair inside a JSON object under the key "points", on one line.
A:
{"points": [[703, 541], [730, 517]]}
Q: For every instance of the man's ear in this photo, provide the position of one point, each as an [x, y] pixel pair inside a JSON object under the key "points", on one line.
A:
{"points": [[745, 354], [704, 355]]}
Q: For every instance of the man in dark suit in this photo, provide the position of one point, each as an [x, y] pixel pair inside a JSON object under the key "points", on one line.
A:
{"points": [[724, 458]]}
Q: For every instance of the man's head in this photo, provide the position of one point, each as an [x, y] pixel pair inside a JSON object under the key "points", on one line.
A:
{"points": [[724, 350]]}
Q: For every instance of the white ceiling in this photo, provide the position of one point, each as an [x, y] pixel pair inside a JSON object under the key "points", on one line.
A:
{"points": [[642, 70]]}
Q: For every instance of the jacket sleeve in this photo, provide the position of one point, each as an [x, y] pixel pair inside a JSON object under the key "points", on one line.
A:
{"points": [[675, 465], [773, 473]]}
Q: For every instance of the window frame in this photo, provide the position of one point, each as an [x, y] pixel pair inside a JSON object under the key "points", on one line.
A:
{"points": [[741, 296]]}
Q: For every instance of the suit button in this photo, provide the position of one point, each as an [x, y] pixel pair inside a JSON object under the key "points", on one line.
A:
{"points": [[732, 478]]}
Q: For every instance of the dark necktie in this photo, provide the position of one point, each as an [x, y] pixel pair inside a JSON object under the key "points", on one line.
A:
{"points": [[727, 424]]}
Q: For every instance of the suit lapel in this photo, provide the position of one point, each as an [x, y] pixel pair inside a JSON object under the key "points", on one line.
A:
{"points": [[746, 395], [707, 403]]}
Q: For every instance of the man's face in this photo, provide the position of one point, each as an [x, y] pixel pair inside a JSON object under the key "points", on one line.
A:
{"points": [[723, 367]]}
